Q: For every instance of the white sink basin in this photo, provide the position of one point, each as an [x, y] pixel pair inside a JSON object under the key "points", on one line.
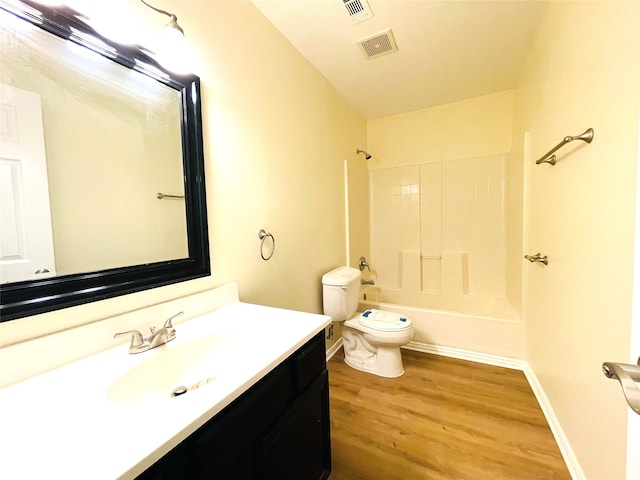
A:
{"points": [[193, 364], [110, 392]]}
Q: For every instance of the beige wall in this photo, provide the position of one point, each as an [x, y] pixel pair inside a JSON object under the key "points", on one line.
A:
{"points": [[358, 175], [477, 127], [276, 135], [583, 71]]}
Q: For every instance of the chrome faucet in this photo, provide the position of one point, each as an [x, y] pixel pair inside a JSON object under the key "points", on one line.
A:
{"points": [[154, 339]]}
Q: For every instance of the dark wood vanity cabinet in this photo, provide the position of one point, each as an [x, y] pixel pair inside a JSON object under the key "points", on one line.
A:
{"points": [[278, 429], [293, 448]]}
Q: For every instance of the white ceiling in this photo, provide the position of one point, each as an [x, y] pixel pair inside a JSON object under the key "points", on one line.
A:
{"points": [[447, 50]]}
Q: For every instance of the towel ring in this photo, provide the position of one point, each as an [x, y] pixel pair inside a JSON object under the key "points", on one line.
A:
{"points": [[262, 235]]}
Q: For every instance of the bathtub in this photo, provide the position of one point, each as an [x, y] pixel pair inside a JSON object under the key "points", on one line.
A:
{"points": [[475, 336]]}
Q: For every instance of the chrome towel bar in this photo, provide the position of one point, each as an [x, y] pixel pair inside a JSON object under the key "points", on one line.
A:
{"points": [[160, 196], [548, 157]]}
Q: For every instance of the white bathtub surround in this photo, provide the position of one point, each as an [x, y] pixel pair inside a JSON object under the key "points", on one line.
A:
{"points": [[73, 422], [409, 271], [443, 277], [455, 277], [438, 243], [438, 228], [483, 331], [495, 307]]}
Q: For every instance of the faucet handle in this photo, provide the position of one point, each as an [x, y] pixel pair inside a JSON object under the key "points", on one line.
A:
{"points": [[167, 322], [362, 264], [136, 337]]}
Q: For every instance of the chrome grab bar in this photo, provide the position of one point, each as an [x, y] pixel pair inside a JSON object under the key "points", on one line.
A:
{"points": [[627, 374], [537, 258], [548, 157]]}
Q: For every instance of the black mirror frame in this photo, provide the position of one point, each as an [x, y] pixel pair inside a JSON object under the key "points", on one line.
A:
{"points": [[22, 299]]}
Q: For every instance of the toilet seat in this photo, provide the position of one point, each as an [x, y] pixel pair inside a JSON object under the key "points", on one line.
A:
{"points": [[384, 321]]}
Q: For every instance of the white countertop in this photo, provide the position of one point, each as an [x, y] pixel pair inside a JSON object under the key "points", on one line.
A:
{"points": [[66, 423]]}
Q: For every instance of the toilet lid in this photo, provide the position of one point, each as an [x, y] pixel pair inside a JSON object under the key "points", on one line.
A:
{"points": [[341, 276], [384, 321]]}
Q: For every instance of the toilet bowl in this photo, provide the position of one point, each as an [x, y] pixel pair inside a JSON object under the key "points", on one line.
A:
{"points": [[372, 339]]}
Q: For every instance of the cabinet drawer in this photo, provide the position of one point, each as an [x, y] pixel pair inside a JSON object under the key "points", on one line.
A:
{"points": [[308, 362]]}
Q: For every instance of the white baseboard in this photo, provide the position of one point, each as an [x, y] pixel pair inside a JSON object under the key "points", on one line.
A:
{"points": [[334, 348], [561, 439], [556, 429], [472, 356]]}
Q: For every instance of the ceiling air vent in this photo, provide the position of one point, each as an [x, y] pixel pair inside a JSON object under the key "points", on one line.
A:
{"points": [[378, 44], [359, 10]]}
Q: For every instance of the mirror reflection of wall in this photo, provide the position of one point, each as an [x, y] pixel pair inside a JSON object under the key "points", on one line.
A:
{"points": [[111, 144]]}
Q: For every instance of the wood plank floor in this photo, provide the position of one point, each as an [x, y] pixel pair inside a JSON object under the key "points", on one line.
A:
{"points": [[443, 419]]}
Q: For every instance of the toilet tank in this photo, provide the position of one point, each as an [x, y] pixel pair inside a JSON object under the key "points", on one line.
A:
{"points": [[340, 293]]}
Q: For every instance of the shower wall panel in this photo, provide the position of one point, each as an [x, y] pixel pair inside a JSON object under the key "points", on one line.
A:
{"points": [[438, 228], [473, 220], [431, 226], [395, 220]]}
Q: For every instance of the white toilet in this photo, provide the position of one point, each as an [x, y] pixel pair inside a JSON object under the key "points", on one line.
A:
{"points": [[373, 338]]}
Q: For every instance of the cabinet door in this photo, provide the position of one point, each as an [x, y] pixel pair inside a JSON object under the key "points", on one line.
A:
{"points": [[299, 446], [226, 443]]}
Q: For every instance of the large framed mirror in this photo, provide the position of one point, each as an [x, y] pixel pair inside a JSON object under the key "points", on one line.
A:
{"points": [[102, 187]]}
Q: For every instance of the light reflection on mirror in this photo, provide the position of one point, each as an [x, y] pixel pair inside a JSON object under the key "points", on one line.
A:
{"points": [[112, 141]]}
